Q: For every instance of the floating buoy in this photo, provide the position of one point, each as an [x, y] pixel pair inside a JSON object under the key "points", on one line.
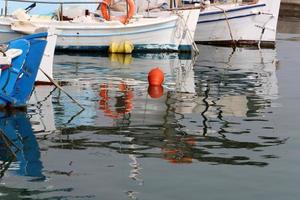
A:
{"points": [[128, 47], [121, 47], [156, 77], [155, 91], [113, 47]]}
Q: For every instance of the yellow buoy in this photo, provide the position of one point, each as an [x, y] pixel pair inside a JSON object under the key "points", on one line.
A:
{"points": [[128, 47], [121, 47], [113, 47]]}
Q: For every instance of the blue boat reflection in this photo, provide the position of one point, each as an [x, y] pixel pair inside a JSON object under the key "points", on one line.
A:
{"points": [[19, 150]]}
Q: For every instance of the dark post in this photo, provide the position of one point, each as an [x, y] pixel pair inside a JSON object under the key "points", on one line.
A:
{"points": [[61, 12], [5, 8]]}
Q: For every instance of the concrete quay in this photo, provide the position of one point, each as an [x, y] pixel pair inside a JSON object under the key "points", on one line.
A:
{"points": [[290, 8]]}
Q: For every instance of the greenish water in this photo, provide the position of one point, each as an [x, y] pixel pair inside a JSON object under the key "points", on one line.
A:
{"points": [[225, 127]]}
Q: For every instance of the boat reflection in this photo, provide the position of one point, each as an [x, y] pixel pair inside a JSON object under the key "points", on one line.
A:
{"points": [[40, 110], [112, 81], [213, 111], [19, 153], [240, 84], [123, 100]]}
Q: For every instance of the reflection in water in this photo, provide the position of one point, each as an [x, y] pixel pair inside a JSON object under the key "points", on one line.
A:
{"points": [[122, 102], [214, 110], [204, 113], [19, 153], [40, 110]]}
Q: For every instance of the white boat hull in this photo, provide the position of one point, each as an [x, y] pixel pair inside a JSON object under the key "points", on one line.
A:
{"points": [[242, 23], [167, 33], [47, 61]]}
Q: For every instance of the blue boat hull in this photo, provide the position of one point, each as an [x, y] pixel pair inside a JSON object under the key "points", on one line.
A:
{"points": [[17, 80]]}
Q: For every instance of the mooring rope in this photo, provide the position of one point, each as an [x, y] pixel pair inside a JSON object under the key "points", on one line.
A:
{"points": [[194, 45], [263, 30], [9, 143], [228, 25]]}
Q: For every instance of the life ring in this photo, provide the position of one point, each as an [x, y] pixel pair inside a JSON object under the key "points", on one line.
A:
{"points": [[123, 19], [125, 100]]}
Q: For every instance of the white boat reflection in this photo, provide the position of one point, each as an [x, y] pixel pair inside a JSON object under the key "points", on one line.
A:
{"points": [[241, 74], [117, 84], [223, 79], [41, 110], [231, 86]]}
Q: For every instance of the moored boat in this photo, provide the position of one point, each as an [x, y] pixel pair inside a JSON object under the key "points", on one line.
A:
{"points": [[171, 32], [20, 62], [242, 22]]}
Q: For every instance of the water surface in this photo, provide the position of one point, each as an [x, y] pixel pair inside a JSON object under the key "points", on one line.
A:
{"points": [[224, 126]]}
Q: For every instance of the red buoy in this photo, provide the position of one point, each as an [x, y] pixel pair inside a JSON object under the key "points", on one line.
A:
{"points": [[156, 77], [155, 91]]}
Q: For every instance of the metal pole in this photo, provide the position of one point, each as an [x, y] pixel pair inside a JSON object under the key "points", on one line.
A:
{"points": [[5, 8], [61, 12], [148, 8]]}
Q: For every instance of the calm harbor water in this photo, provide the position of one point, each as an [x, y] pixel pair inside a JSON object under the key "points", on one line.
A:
{"points": [[224, 126]]}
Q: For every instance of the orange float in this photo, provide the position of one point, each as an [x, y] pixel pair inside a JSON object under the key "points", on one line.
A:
{"points": [[156, 77], [155, 91], [123, 19]]}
